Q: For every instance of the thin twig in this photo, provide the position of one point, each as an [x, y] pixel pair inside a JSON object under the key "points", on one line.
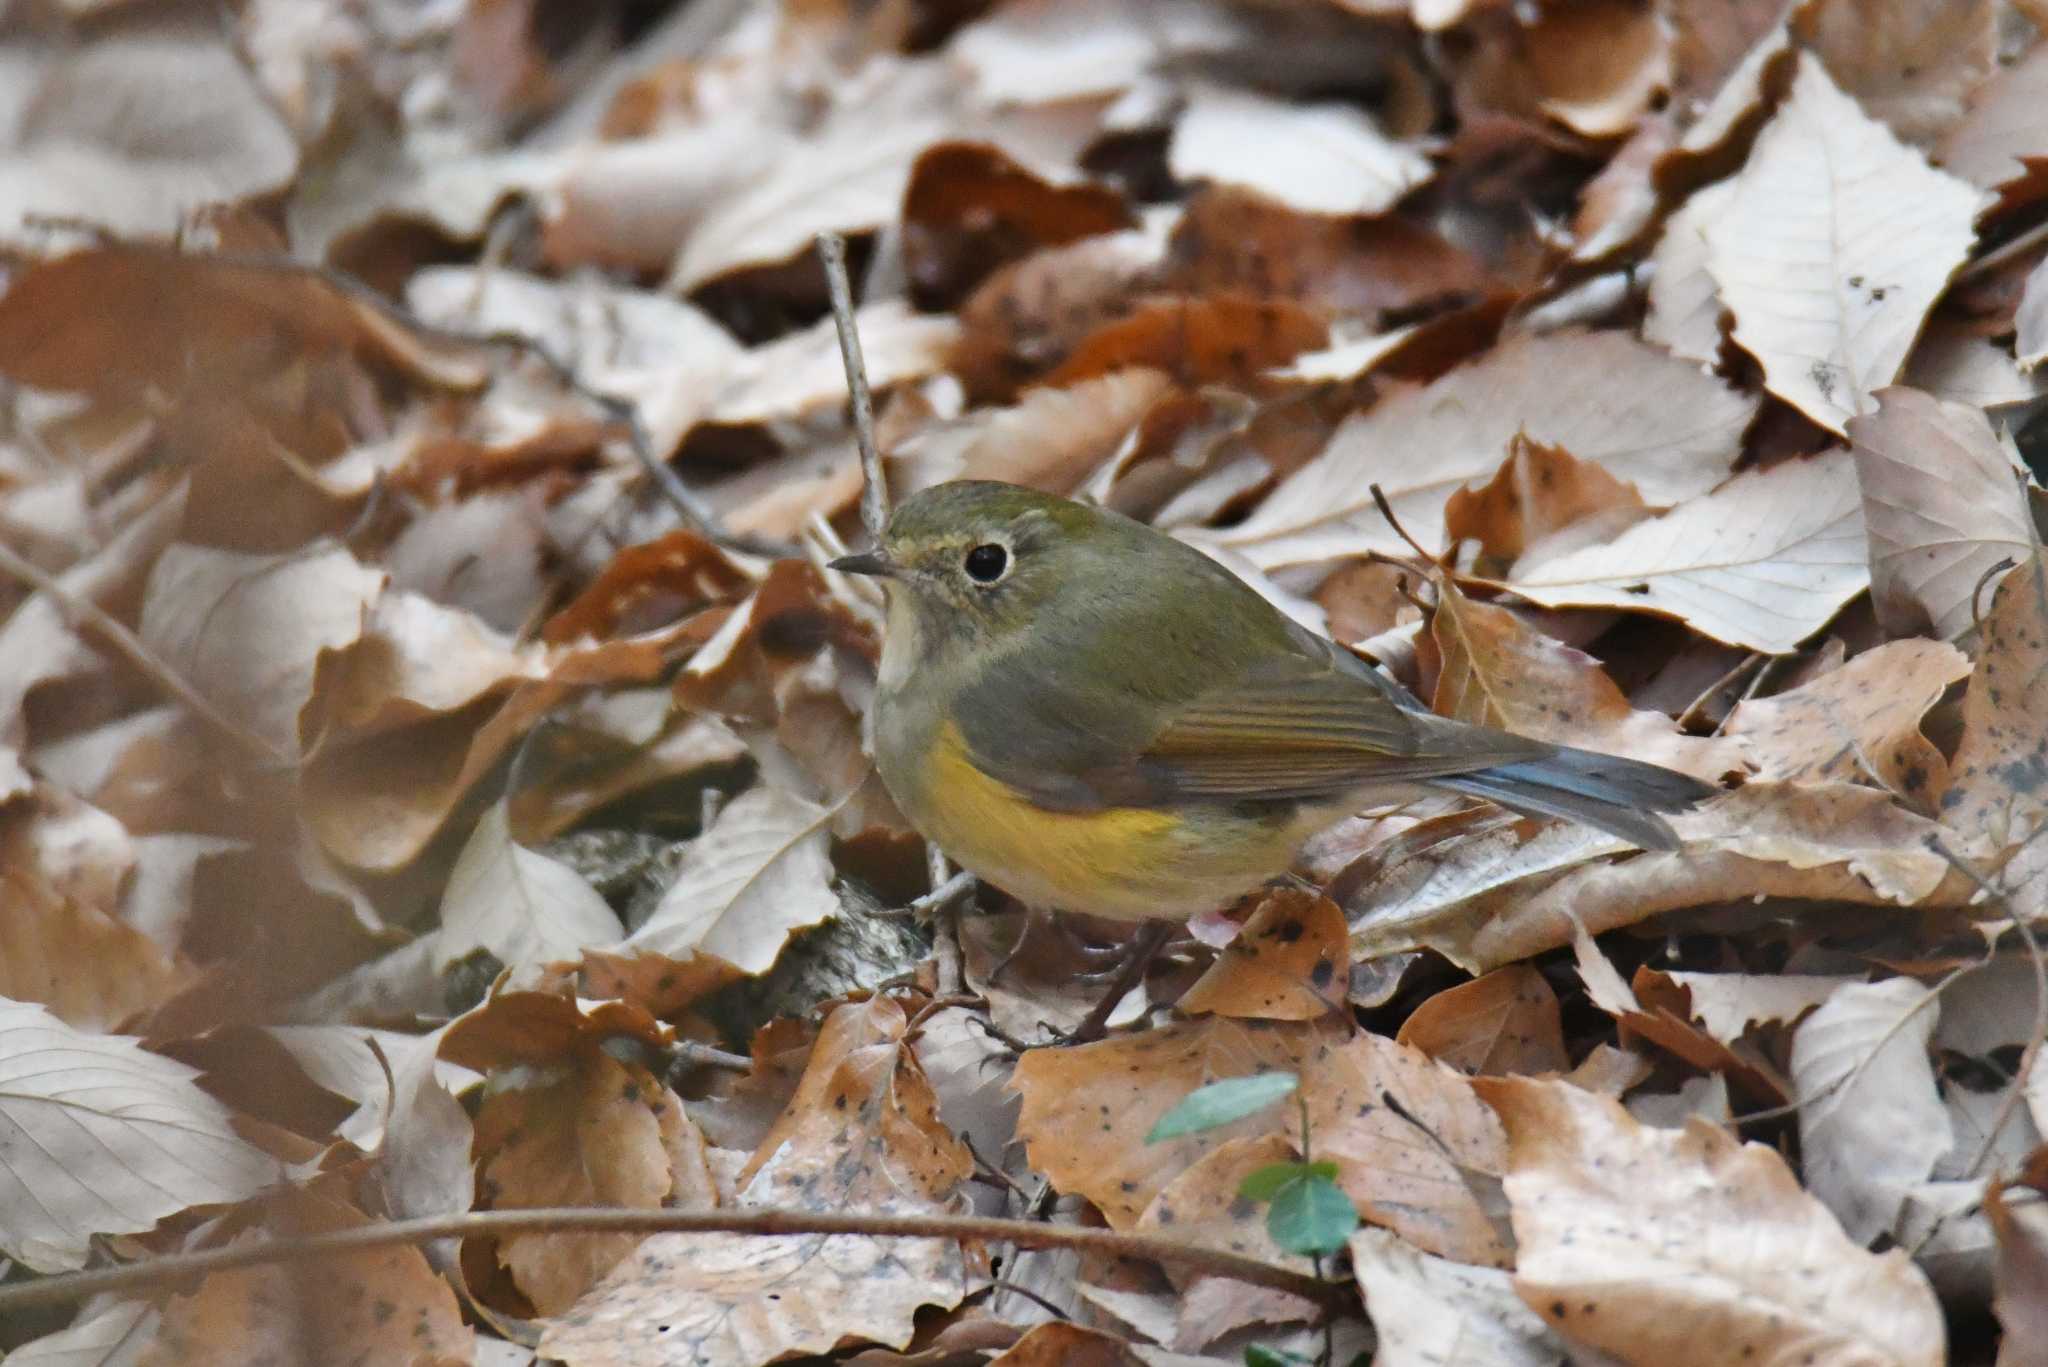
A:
{"points": [[2029, 1056], [179, 1268], [688, 1051], [874, 486], [1379, 500], [130, 647]]}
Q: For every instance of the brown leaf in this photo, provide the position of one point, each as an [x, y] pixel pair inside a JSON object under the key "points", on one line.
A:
{"points": [[1087, 1110], [1060, 1344], [1289, 962], [2020, 1220], [2000, 142], [1689, 1247], [1339, 266], [248, 631], [63, 942], [1998, 783], [600, 1135], [1405, 1162], [1503, 1022], [116, 320], [861, 1134], [381, 1303], [1497, 671], [1911, 63], [1050, 439], [1028, 316], [1598, 66], [970, 208], [1202, 1207], [1222, 339], [1857, 723], [1538, 491]]}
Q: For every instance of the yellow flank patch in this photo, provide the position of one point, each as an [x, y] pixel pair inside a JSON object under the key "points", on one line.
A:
{"points": [[1127, 862]]}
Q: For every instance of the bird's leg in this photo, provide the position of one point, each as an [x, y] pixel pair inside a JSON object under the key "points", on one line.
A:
{"points": [[1038, 921], [1150, 939]]}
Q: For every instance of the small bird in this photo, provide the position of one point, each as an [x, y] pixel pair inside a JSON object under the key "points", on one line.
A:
{"points": [[1097, 717]]}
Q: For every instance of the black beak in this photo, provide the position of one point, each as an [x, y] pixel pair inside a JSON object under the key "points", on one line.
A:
{"points": [[867, 562]]}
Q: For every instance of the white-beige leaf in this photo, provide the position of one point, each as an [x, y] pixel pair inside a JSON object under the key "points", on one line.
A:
{"points": [[248, 630], [1943, 506], [1764, 561], [1871, 1122], [1316, 158], [520, 905], [99, 1136], [1643, 415], [761, 871], [1837, 240]]}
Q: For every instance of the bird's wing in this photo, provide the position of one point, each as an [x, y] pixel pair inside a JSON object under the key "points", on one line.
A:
{"points": [[1300, 723], [1305, 726]]}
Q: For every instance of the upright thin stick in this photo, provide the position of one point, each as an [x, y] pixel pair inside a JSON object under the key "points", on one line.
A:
{"points": [[874, 491]]}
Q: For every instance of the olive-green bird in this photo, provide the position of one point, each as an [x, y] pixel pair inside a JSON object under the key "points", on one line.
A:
{"points": [[1096, 717]]}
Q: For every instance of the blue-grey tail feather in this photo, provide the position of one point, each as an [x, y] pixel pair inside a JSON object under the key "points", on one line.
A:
{"points": [[1620, 796]]}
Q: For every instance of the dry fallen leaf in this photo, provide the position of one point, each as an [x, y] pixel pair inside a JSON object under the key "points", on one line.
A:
{"points": [[1910, 63], [249, 630], [756, 874], [1764, 561], [383, 1302], [1503, 1022], [1416, 1164], [1871, 1123], [520, 905], [1318, 158], [98, 144], [1943, 504], [1496, 670], [1289, 962], [860, 1134], [1608, 399], [63, 941], [1996, 791], [1489, 897], [124, 1139], [1539, 491], [598, 1132], [1859, 723], [1830, 311], [1689, 1247], [1432, 1312]]}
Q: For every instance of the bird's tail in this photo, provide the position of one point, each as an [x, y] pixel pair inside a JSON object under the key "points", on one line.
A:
{"points": [[1620, 796]]}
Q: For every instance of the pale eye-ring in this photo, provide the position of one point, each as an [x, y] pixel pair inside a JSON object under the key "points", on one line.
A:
{"points": [[987, 562]]}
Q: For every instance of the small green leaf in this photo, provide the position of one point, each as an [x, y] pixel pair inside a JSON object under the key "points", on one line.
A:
{"points": [[1324, 1169], [1219, 1103], [1257, 1355], [1311, 1216], [1263, 1184]]}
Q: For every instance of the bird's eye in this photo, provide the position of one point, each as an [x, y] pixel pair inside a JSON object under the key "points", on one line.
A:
{"points": [[986, 563]]}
